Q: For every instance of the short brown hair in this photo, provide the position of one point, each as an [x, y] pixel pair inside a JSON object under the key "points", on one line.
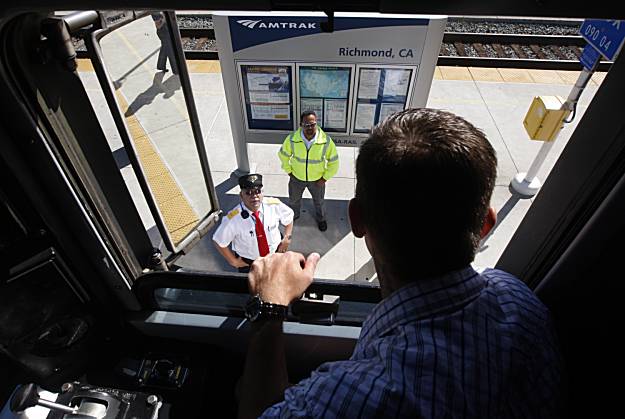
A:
{"points": [[305, 114], [424, 183]]}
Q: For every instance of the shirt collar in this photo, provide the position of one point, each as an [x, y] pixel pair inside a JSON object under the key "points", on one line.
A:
{"points": [[306, 139], [260, 210], [421, 299]]}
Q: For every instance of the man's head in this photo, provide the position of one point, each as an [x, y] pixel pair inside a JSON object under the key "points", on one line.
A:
{"points": [[308, 121], [251, 190], [424, 182]]}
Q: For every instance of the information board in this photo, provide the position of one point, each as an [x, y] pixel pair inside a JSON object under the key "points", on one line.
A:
{"points": [[382, 91], [267, 90], [325, 90]]}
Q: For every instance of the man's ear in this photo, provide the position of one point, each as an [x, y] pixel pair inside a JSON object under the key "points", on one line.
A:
{"points": [[489, 222], [356, 219]]}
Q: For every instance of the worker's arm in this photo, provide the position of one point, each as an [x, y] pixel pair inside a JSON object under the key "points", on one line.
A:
{"points": [[285, 154], [286, 240], [332, 158], [286, 218], [230, 257], [279, 278]]}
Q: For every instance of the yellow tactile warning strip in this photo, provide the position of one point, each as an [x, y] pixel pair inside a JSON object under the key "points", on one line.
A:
{"points": [[203, 66], [515, 75], [485, 74], [85, 65], [178, 215], [545, 76], [502, 75], [456, 73], [598, 77]]}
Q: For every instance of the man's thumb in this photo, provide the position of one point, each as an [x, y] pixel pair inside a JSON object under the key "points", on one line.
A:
{"points": [[311, 264]]}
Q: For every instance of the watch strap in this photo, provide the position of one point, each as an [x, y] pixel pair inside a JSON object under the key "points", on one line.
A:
{"points": [[273, 311], [256, 309]]}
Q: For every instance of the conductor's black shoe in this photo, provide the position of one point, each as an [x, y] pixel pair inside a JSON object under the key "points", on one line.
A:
{"points": [[323, 226]]}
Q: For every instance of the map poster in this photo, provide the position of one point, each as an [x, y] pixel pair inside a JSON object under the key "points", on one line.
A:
{"points": [[324, 82], [396, 82], [335, 114], [369, 83], [365, 116], [315, 105], [387, 109], [270, 112]]}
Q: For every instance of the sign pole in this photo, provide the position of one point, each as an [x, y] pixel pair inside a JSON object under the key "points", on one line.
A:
{"points": [[528, 183], [605, 37]]}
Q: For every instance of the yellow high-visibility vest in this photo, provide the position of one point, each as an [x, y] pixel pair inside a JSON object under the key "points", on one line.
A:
{"points": [[320, 160]]}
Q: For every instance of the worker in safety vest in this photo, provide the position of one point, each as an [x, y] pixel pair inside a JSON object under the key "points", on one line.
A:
{"points": [[309, 156]]}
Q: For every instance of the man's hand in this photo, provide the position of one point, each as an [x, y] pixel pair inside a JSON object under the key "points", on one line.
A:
{"points": [[282, 277], [239, 263], [321, 182], [284, 245]]}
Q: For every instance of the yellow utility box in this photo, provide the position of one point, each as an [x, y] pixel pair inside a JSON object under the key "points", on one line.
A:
{"points": [[545, 118]]}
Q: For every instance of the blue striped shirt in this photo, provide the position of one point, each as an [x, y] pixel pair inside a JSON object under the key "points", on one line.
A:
{"points": [[467, 344]]}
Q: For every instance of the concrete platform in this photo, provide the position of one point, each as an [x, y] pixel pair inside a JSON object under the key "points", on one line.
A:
{"points": [[494, 100]]}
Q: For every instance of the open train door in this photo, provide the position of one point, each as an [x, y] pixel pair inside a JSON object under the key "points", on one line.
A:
{"points": [[156, 139]]}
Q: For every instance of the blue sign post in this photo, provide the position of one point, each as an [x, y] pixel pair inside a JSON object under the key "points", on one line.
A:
{"points": [[590, 57], [605, 35]]}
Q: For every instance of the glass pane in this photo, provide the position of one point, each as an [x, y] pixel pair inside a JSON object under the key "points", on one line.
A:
{"points": [[140, 60], [325, 90], [268, 96]]}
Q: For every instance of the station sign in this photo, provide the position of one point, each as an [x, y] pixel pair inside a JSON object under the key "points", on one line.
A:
{"points": [[606, 36], [590, 57]]}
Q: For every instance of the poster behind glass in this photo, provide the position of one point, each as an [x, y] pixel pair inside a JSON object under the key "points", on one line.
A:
{"points": [[268, 96], [382, 91], [325, 90]]}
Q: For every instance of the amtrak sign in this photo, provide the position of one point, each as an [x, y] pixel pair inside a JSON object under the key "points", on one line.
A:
{"points": [[259, 24]]}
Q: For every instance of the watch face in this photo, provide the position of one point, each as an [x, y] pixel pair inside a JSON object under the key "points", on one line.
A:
{"points": [[252, 308]]}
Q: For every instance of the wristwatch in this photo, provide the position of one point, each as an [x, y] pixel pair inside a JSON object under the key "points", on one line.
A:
{"points": [[257, 309]]}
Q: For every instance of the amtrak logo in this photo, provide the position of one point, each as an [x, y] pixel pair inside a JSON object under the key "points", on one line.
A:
{"points": [[259, 24], [248, 23]]}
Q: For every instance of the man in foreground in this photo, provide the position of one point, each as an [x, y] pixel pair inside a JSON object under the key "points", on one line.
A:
{"points": [[445, 341]]}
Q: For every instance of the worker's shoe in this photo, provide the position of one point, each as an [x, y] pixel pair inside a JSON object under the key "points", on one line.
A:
{"points": [[323, 226]]}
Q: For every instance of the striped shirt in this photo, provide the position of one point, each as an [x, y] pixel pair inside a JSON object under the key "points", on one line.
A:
{"points": [[466, 344]]}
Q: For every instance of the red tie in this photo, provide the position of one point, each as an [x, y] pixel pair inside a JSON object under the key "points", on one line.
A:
{"points": [[263, 247]]}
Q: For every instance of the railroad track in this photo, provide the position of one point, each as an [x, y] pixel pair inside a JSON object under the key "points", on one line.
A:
{"points": [[548, 52]]}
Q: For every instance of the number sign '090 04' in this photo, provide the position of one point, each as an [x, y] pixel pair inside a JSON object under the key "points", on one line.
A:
{"points": [[606, 36]]}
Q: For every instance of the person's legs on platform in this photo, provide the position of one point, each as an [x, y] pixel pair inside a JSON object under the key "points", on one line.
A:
{"points": [[296, 189], [162, 59], [318, 192]]}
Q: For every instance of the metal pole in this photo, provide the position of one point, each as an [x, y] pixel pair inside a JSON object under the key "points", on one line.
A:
{"points": [[527, 183]]}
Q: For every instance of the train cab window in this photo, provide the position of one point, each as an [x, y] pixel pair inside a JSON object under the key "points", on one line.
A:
{"points": [[169, 152]]}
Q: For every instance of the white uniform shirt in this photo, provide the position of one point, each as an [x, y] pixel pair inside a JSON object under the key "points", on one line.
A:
{"points": [[241, 232], [310, 142]]}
